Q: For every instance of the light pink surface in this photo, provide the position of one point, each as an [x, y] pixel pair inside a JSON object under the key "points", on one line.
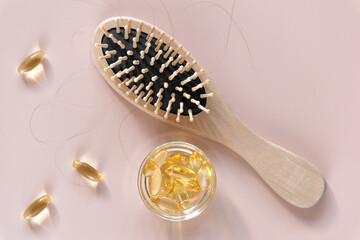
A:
{"points": [[295, 80]]}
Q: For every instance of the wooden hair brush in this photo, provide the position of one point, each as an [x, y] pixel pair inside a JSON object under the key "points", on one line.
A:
{"points": [[156, 74]]}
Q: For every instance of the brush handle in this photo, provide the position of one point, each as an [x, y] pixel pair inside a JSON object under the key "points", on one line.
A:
{"points": [[296, 180]]}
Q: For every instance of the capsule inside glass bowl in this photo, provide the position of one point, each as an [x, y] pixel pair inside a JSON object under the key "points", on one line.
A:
{"points": [[30, 62], [36, 207]]}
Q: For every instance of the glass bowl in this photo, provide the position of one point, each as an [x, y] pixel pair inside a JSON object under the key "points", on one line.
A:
{"points": [[198, 201]]}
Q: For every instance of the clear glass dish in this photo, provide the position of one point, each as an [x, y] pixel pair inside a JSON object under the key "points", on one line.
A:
{"points": [[198, 203]]}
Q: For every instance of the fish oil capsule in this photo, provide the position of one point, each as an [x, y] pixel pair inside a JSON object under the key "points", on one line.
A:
{"points": [[191, 185], [155, 182], [36, 207], [204, 177], [185, 159], [195, 161], [160, 157], [167, 181], [175, 158], [182, 196], [149, 168], [206, 163], [166, 204], [29, 63], [178, 158], [182, 172], [87, 171]]}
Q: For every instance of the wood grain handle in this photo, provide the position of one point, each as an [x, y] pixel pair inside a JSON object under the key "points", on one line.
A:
{"points": [[296, 180]]}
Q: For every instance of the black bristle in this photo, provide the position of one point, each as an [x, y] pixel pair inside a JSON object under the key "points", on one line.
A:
{"points": [[154, 70]]}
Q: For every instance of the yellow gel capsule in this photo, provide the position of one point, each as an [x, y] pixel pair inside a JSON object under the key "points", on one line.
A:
{"points": [[206, 163], [181, 172], [193, 194], [155, 182], [185, 159], [167, 181], [87, 170], [191, 185], [31, 62], [195, 161], [182, 196], [204, 177], [149, 168], [160, 157], [179, 158], [166, 165], [36, 207], [174, 158], [166, 204]]}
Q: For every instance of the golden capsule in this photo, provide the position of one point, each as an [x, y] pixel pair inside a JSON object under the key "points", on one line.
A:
{"points": [[191, 185], [182, 196], [30, 62], [185, 159], [87, 170], [167, 181], [179, 158], [160, 157], [204, 177], [174, 158], [155, 182], [206, 163], [193, 194], [166, 204], [182, 172], [36, 207], [195, 161], [149, 168], [167, 164]]}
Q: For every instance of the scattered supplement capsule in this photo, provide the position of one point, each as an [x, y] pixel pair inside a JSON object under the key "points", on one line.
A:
{"points": [[87, 170], [36, 207], [204, 177], [166, 204], [30, 62], [195, 161], [155, 182], [149, 168]]}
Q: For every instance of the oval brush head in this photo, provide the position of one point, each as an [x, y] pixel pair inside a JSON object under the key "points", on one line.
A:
{"points": [[150, 68]]}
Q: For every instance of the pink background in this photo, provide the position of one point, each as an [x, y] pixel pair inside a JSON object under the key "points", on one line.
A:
{"points": [[290, 70]]}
